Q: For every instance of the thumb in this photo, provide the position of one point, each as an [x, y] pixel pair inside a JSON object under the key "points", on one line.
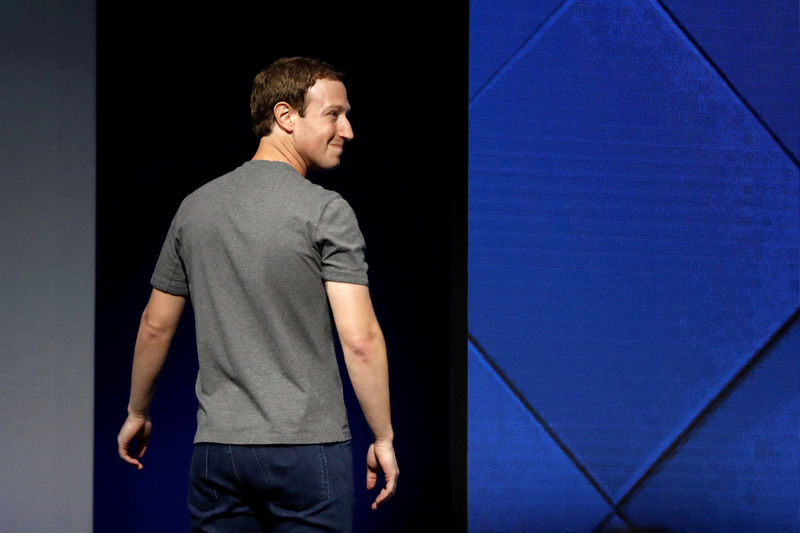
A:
{"points": [[373, 467], [372, 479]]}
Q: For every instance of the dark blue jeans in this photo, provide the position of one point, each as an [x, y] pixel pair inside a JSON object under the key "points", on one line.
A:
{"points": [[300, 488]]}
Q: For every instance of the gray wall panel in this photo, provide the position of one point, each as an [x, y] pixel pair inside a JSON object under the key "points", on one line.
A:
{"points": [[47, 227]]}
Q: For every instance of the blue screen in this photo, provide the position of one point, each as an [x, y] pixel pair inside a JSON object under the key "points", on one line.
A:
{"points": [[634, 244]]}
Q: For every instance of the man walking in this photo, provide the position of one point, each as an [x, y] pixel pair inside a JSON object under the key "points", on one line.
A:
{"points": [[263, 253]]}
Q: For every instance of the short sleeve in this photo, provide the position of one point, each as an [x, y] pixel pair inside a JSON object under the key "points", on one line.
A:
{"points": [[341, 245], [170, 275]]}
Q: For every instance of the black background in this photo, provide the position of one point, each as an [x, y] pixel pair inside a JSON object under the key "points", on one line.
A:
{"points": [[173, 113]]}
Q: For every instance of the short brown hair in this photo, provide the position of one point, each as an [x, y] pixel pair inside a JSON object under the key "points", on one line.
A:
{"points": [[286, 80]]}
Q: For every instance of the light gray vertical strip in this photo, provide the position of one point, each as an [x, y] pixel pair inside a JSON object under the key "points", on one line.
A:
{"points": [[47, 229]]}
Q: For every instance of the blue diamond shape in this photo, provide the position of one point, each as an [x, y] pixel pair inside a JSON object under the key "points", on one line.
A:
{"points": [[742, 458], [519, 480], [633, 231]]}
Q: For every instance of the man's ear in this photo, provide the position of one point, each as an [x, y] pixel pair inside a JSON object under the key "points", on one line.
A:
{"points": [[283, 116]]}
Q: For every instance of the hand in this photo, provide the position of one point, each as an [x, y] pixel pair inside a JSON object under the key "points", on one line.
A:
{"points": [[135, 427], [380, 457]]}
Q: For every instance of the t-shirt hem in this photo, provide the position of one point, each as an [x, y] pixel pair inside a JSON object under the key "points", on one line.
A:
{"points": [[169, 288], [346, 277], [237, 437]]}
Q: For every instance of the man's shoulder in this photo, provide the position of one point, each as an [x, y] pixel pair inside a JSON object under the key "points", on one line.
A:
{"points": [[282, 179], [200, 197], [263, 180]]}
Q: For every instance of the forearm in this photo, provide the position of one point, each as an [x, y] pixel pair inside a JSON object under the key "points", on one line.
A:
{"points": [[365, 357], [368, 369], [149, 354]]}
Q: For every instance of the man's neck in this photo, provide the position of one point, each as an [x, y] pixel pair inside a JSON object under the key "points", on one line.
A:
{"points": [[271, 149]]}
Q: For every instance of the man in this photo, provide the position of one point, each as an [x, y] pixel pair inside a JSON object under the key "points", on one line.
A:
{"points": [[263, 251]]}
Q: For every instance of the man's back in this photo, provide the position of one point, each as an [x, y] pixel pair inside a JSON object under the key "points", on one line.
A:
{"points": [[259, 250], [256, 245]]}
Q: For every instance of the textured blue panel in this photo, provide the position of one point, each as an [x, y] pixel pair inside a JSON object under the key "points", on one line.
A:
{"points": [[633, 232], [615, 524], [497, 28], [757, 46], [519, 479], [743, 459]]}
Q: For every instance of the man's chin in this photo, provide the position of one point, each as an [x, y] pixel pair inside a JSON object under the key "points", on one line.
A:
{"points": [[328, 165]]}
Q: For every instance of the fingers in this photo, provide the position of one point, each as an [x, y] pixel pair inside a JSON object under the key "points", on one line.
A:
{"points": [[388, 490], [125, 455], [382, 458], [373, 467], [138, 429], [382, 497]]}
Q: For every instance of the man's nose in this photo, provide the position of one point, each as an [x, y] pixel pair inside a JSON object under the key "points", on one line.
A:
{"points": [[346, 130]]}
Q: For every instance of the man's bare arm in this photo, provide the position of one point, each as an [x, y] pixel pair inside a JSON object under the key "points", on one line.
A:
{"points": [[365, 357], [158, 324]]}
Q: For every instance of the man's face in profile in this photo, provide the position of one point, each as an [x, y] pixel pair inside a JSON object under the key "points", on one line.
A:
{"points": [[321, 133]]}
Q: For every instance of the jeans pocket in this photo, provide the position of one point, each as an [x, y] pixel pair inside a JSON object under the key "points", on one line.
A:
{"points": [[339, 460], [302, 473], [202, 490]]}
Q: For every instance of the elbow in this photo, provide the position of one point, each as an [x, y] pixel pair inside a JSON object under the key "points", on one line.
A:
{"points": [[152, 330], [362, 346]]}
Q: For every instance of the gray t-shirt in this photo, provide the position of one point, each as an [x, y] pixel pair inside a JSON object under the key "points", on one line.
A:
{"points": [[253, 249]]}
